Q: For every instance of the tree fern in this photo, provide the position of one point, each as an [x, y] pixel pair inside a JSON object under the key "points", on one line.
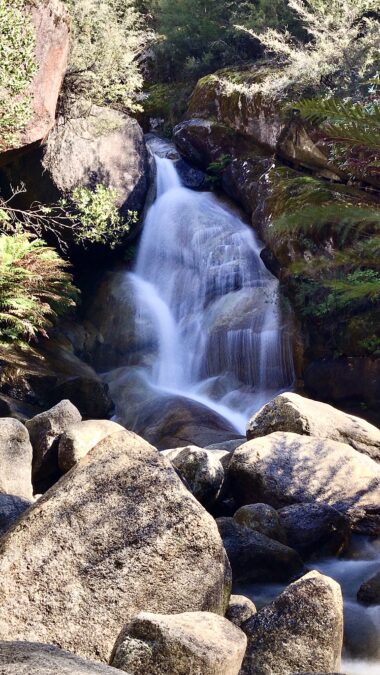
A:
{"points": [[345, 122], [35, 288]]}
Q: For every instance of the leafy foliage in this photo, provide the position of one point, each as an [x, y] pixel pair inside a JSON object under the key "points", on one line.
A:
{"points": [[97, 216], [35, 288], [87, 217], [343, 45], [17, 68], [108, 38]]}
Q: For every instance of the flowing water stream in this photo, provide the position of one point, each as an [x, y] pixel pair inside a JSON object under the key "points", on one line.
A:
{"points": [[221, 340], [200, 284]]}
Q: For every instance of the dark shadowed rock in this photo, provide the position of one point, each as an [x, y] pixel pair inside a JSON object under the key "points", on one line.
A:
{"points": [[11, 509], [102, 545], [91, 396], [369, 591], [262, 518], [255, 557], [30, 658], [294, 413], [315, 530], [240, 609], [45, 430], [300, 630], [197, 642], [15, 459], [284, 468]]}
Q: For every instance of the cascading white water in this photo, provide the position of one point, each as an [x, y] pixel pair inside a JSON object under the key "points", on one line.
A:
{"points": [[201, 283]]}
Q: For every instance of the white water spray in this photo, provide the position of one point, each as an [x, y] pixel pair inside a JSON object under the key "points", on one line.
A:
{"points": [[200, 281]]}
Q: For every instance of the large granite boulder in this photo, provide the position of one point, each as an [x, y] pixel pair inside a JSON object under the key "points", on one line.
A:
{"points": [[98, 145], [116, 535], [78, 440], [15, 459], [193, 642], [30, 658], [301, 630], [256, 557], [292, 412], [45, 430], [315, 530], [285, 468]]}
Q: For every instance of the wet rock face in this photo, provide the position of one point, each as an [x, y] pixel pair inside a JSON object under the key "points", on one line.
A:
{"points": [[256, 557], [353, 379], [286, 468], [174, 421], [102, 545], [369, 591], [294, 413], [302, 630], [197, 642], [28, 658]]}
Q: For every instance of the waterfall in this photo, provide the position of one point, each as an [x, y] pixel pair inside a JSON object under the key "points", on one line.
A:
{"points": [[200, 281]]}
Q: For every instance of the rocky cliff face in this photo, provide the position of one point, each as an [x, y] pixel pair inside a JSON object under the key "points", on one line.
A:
{"points": [[250, 142], [52, 33]]}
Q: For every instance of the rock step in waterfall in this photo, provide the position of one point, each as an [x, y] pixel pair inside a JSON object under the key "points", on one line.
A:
{"points": [[207, 308]]}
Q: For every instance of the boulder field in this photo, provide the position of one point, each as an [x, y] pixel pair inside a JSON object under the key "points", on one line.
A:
{"points": [[126, 562]]}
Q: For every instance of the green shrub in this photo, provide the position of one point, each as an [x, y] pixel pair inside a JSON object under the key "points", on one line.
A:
{"points": [[343, 46], [17, 68]]}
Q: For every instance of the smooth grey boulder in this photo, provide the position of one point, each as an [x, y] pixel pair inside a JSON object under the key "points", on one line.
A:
{"points": [[369, 591], [79, 439], [201, 470], [262, 518], [45, 430], [15, 459], [285, 468], [116, 535], [200, 643], [299, 415], [240, 609], [98, 145], [315, 530], [301, 630], [255, 557], [31, 658], [11, 509]]}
